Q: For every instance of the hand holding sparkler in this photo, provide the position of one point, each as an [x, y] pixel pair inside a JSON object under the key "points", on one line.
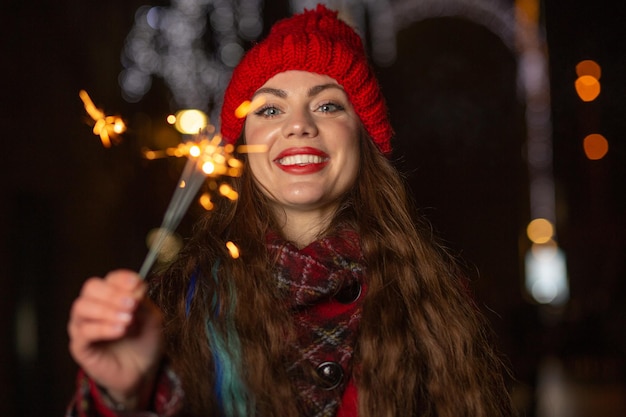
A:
{"points": [[116, 337]]}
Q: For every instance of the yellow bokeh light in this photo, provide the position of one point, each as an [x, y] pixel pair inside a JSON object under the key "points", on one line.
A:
{"points": [[540, 231], [194, 150], [589, 67], [205, 201], [247, 107], [242, 110], [190, 121], [232, 249], [171, 119], [228, 192], [219, 159], [596, 146], [587, 87], [208, 167]]}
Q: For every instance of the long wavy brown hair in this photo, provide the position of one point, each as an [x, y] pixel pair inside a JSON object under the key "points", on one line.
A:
{"points": [[423, 347]]}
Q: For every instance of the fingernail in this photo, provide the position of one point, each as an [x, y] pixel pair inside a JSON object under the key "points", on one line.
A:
{"points": [[125, 317], [128, 302], [133, 279], [117, 328]]}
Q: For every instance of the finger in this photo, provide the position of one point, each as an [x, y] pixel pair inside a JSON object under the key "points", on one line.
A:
{"points": [[85, 310], [106, 292], [125, 280], [86, 333]]}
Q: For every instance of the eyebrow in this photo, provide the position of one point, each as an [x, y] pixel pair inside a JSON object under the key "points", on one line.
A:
{"points": [[313, 91], [319, 88], [273, 91]]}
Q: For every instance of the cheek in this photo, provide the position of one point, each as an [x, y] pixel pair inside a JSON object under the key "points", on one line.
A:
{"points": [[255, 165], [353, 155], [352, 171], [257, 133], [248, 132]]}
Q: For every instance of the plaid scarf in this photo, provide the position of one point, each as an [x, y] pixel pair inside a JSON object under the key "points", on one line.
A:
{"points": [[324, 285]]}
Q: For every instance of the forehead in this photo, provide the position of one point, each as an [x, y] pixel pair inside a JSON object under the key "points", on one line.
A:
{"points": [[295, 78]]}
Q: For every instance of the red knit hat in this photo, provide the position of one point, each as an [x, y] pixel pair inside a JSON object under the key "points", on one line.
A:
{"points": [[314, 41]]}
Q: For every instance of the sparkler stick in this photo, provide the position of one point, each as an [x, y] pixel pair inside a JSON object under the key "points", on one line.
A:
{"points": [[206, 158], [188, 185], [190, 181]]}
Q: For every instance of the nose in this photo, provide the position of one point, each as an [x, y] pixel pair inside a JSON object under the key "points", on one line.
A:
{"points": [[300, 124]]}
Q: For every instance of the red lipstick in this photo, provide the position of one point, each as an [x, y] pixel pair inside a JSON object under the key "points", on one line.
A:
{"points": [[302, 160]]}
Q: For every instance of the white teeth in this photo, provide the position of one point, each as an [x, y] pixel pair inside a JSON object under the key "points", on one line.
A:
{"points": [[301, 160]]}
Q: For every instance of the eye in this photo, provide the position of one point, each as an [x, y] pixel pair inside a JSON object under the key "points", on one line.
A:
{"points": [[268, 111], [330, 107]]}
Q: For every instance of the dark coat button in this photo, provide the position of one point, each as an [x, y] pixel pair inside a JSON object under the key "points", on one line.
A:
{"points": [[349, 293], [330, 375]]}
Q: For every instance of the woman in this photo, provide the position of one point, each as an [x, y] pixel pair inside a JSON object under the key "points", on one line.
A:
{"points": [[341, 304]]}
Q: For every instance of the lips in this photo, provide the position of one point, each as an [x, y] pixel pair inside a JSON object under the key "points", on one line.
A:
{"points": [[302, 160]]}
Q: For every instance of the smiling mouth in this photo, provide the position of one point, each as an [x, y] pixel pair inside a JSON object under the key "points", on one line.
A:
{"points": [[301, 159]]}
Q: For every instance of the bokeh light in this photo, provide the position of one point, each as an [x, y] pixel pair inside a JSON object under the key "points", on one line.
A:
{"points": [[170, 245], [596, 146], [232, 249], [227, 191], [546, 274], [540, 231], [587, 87], [190, 121], [589, 67], [205, 201]]}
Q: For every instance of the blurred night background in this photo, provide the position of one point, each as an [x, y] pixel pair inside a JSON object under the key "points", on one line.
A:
{"points": [[489, 131]]}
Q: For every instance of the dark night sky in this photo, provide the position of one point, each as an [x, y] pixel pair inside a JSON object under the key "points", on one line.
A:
{"points": [[72, 209]]}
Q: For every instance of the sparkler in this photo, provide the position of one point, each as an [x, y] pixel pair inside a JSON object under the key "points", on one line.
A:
{"points": [[207, 156], [107, 127]]}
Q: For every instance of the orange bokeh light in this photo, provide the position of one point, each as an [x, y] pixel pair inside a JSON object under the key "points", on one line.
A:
{"points": [[596, 146], [589, 67], [587, 87]]}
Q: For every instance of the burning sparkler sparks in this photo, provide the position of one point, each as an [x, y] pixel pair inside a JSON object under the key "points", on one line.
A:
{"points": [[109, 128], [208, 157]]}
